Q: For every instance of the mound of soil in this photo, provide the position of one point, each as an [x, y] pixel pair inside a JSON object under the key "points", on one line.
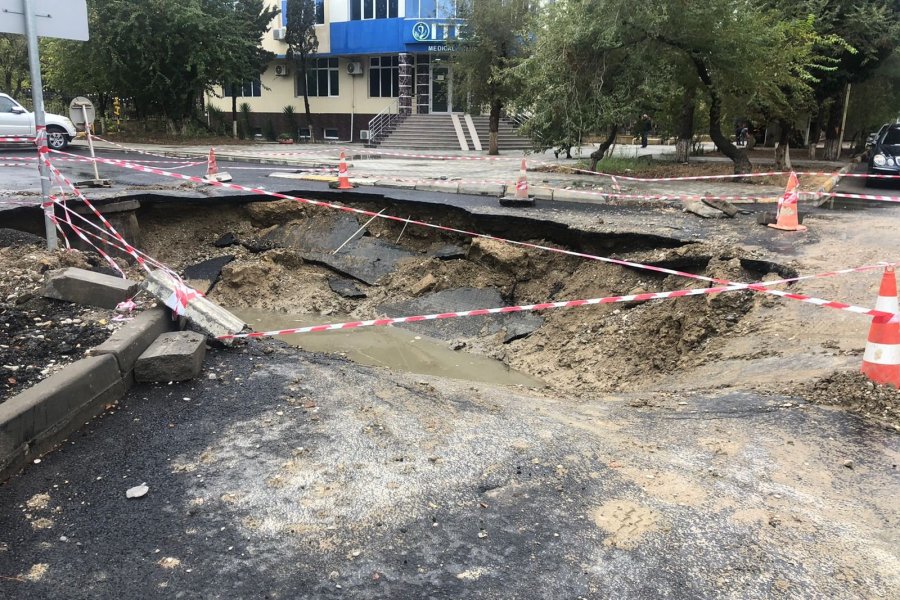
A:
{"points": [[39, 336], [855, 392]]}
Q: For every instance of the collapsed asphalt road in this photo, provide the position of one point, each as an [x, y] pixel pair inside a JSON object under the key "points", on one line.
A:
{"points": [[283, 474]]}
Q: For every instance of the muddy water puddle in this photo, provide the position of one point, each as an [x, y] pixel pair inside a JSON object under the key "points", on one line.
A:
{"points": [[390, 347]]}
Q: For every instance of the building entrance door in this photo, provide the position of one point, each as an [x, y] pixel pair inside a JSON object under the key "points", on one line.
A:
{"points": [[441, 90]]}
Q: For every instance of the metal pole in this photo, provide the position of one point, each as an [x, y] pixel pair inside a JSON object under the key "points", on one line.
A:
{"points": [[40, 123], [87, 130]]}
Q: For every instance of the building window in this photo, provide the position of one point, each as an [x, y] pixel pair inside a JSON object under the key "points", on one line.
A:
{"points": [[248, 89], [320, 13], [321, 78], [384, 77], [330, 133], [373, 9], [431, 9]]}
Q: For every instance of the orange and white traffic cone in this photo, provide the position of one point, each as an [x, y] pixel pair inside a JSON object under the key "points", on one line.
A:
{"points": [[520, 198], [343, 176], [212, 169], [881, 360], [788, 218], [522, 183]]}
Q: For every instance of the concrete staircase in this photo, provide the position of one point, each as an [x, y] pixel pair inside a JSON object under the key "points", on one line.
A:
{"points": [[436, 132], [507, 136]]}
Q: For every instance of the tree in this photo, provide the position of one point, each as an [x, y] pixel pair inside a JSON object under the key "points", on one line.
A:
{"points": [[496, 40], [869, 29], [590, 73], [740, 49], [248, 58], [160, 53], [13, 64], [302, 44]]}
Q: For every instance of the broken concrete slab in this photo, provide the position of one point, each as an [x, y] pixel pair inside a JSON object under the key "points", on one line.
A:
{"points": [[426, 284], [725, 206], [88, 287], [702, 210], [459, 299], [346, 288], [210, 318], [175, 356]]}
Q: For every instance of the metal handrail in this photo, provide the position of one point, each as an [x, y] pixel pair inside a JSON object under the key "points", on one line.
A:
{"points": [[382, 121]]}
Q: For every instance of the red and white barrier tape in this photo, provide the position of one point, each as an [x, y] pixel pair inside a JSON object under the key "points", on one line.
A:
{"points": [[550, 305], [624, 263], [145, 152], [863, 196], [60, 177]]}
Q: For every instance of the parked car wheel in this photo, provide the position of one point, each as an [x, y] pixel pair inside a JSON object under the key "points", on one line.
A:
{"points": [[57, 138]]}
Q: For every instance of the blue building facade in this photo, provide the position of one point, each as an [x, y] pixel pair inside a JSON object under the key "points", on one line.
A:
{"points": [[374, 57]]}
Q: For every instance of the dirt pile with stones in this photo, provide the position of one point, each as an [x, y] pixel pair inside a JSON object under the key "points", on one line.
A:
{"points": [[855, 392], [39, 336]]}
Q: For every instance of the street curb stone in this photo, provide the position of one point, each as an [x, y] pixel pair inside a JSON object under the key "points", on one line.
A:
{"points": [[175, 356], [34, 421], [133, 338]]}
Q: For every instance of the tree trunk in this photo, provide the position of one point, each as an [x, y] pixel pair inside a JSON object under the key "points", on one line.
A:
{"points": [[833, 128], [234, 124], [782, 148], [737, 155], [309, 122], [493, 145], [815, 130], [597, 154], [686, 126]]}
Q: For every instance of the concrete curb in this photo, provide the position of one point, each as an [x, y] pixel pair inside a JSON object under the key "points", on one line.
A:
{"points": [[41, 417], [834, 180]]}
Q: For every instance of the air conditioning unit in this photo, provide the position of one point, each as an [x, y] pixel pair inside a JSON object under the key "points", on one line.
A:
{"points": [[281, 71], [279, 33], [355, 68], [364, 135]]}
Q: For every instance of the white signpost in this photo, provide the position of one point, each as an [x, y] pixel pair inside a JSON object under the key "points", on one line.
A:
{"points": [[81, 112], [65, 19]]}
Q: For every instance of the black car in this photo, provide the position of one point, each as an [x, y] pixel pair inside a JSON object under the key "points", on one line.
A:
{"points": [[884, 159]]}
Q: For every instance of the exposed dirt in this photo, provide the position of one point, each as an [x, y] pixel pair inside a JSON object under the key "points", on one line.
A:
{"points": [[39, 336], [854, 391], [734, 339], [635, 343]]}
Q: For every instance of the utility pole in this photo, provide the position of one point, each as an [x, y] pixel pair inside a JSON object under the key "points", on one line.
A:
{"points": [[40, 123], [843, 123]]}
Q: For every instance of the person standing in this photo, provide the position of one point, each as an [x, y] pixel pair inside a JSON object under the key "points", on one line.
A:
{"points": [[645, 126]]}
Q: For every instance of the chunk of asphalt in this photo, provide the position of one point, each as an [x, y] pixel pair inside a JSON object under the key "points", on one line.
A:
{"points": [[345, 287], [208, 270], [14, 237], [229, 239], [448, 252], [366, 259], [87, 287], [175, 356], [460, 299]]}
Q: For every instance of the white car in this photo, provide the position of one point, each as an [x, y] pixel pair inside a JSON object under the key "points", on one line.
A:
{"points": [[16, 120]]}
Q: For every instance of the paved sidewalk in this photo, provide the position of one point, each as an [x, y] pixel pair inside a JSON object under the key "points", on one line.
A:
{"points": [[408, 168]]}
